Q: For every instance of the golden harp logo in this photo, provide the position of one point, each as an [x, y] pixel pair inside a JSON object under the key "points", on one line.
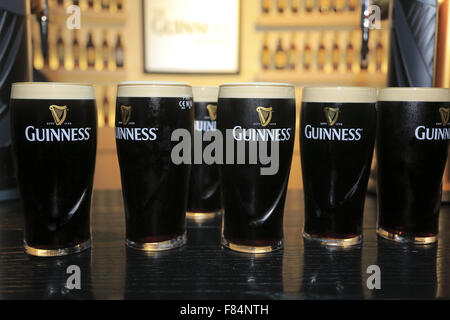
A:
{"points": [[126, 114], [332, 115], [265, 115], [59, 114], [445, 114], [212, 110]]}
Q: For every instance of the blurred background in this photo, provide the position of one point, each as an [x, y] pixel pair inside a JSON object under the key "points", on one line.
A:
{"points": [[305, 42]]}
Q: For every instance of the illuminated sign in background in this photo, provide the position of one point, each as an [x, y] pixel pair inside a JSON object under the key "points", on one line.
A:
{"points": [[195, 36]]}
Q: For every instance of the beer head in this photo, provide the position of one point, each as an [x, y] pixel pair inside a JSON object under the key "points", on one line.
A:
{"points": [[205, 94], [340, 95], [257, 90], [161, 89], [414, 94], [52, 91]]}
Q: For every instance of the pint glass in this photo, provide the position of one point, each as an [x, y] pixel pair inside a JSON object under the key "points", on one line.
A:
{"points": [[205, 198], [256, 120], [412, 148], [54, 138], [337, 137], [154, 187]]}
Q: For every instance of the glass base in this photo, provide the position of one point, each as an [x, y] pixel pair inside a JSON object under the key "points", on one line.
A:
{"points": [[334, 242], [251, 249], [398, 237], [202, 216], [159, 246], [56, 252]]}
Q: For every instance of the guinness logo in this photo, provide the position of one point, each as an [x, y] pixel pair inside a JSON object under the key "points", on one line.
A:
{"points": [[265, 115], [126, 114], [212, 109], [332, 115], [59, 114], [444, 115]]}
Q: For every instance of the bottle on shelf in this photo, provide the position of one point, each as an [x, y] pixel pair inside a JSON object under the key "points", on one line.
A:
{"points": [[119, 5], [293, 53], [90, 51], [310, 5], [281, 6], [336, 53], [322, 53], [118, 52], [60, 3], [339, 5], [90, 4], [379, 53], [265, 53], [307, 53], [105, 51], [295, 6], [280, 55], [266, 6], [105, 107], [105, 5], [324, 6], [76, 50], [352, 5], [350, 53], [60, 51]]}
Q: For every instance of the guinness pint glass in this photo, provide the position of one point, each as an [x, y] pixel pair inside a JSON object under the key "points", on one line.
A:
{"points": [[412, 148], [205, 199], [54, 139], [154, 185], [257, 121], [337, 136]]}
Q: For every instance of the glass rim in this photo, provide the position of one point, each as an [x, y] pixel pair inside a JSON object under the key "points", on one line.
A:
{"points": [[339, 94], [153, 89], [51, 84], [256, 84], [411, 94], [52, 90], [257, 90], [156, 83]]}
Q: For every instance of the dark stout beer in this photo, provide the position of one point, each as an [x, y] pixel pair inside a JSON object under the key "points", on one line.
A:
{"points": [[412, 148], [205, 199], [252, 115], [154, 189], [54, 138], [337, 135]]}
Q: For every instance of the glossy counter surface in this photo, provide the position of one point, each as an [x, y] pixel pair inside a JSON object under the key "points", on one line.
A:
{"points": [[204, 270]]}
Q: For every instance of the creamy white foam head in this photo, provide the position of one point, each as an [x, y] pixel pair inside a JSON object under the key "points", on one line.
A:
{"points": [[414, 94], [257, 90], [148, 89], [205, 94], [52, 90], [340, 95]]}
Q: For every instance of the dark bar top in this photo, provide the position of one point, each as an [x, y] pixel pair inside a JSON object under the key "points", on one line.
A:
{"points": [[204, 270]]}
